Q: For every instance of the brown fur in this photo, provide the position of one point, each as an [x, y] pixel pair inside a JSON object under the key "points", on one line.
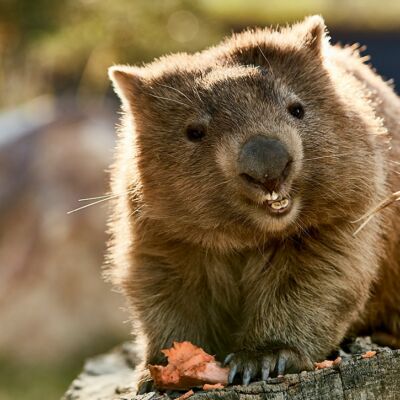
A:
{"points": [[192, 249]]}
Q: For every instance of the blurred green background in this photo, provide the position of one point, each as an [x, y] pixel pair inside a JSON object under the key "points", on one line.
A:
{"points": [[57, 113]]}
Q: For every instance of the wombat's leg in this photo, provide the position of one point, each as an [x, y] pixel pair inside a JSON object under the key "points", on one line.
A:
{"points": [[300, 303], [166, 308], [382, 319], [382, 313], [169, 327], [386, 339]]}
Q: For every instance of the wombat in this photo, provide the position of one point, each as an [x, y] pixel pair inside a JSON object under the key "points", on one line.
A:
{"points": [[239, 174]]}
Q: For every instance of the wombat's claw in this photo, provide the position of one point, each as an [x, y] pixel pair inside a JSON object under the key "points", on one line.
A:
{"points": [[145, 386], [232, 373], [261, 365], [282, 359], [241, 362], [228, 359], [265, 370]]}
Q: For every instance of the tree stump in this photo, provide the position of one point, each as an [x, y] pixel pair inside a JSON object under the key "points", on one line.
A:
{"points": [[109, 377]]}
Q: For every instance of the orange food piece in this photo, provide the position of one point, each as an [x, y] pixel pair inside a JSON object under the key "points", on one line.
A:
{"points": [[186, 395], [208, 386], [188, 366], [327, 363], [337, 361], [323, 364], [368, 354]]}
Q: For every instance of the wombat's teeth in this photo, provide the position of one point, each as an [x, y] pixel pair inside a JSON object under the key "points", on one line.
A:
{"points": [[284, 203], [274, 196], [268, 196], [278, 205]]}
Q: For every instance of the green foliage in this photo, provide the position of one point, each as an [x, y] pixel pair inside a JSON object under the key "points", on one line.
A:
{"points": [[48, 45], [35, 382], [43, 380], [70, 44]]}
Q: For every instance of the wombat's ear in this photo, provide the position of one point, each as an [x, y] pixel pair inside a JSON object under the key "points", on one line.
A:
{"points": [[128, 82], [313, 32]]}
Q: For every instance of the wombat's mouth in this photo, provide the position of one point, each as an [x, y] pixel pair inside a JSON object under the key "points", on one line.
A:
{"points": [[277, 204]]}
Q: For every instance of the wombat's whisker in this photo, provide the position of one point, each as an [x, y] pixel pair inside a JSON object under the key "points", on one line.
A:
{"points": [[110, 195], [329, 156], [369, 215], [94, 198], [394, 162], [101, 200], [88, 205], [167, 98], [222, 183], [334, 195], [177, 90], [394, 171], [136, 211], [266, 59], [197, 93]]}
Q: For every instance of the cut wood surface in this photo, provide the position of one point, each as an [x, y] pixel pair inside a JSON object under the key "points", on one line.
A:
{"points": [[110, 377]]}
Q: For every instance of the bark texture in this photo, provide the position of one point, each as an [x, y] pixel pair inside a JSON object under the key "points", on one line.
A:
{"points": [[109, 377]]}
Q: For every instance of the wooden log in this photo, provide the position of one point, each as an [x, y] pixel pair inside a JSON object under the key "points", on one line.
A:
{"points": [[110, 377]]}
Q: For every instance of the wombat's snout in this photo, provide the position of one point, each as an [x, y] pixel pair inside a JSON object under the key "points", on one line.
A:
{"points": [[264, 161]]}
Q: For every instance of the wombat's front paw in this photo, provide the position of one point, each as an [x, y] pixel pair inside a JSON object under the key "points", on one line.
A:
{"points": [[253, 364]]}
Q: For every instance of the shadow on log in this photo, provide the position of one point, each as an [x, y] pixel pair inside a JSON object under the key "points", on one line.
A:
{"points": [[109, 377]]}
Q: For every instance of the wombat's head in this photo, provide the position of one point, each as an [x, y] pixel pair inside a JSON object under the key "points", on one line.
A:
{"points": [[248, 140]]}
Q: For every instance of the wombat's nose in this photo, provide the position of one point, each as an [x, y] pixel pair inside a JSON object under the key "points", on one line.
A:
{"points": [[264, 161]]}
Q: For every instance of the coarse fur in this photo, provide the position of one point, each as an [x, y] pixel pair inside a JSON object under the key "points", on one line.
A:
{"points": [[193, 247]]}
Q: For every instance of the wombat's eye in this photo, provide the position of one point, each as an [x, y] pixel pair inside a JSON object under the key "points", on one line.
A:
{"points": [[297, 110], [195, 132]]}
